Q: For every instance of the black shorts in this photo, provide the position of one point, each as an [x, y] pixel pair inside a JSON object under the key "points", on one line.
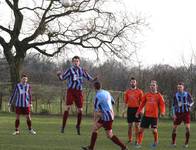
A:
{"points": [[131, 115], [149, 121]]}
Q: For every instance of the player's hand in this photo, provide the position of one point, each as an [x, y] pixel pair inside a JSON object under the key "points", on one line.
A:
{"points": [[174, 117], [9, 107], [31, 106], [162, 114], [137, 115], [95, 79], [58, 73]]}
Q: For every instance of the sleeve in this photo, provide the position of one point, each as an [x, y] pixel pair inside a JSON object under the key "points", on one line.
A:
{"points": [[30, 95], [96, 104], [142, 104], [87, 76], [141, 95], [64, 75], [14, 95], [161, 104], [173, 105], [190, 100], [125, 97]]}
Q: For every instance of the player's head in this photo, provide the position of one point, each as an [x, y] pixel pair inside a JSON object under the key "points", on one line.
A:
{"points": [[24, 78], [97, 85], [180, 87], [153, 86], [76, 61], [133, 82]]}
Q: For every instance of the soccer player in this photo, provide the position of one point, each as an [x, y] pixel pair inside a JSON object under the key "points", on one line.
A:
{"points": [[103, 117], [74, 76], [132, 99], [153, 102], [22, 98], [182, 103]]}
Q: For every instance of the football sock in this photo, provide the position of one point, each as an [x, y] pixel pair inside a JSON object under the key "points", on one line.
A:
{"points": [[79, 119], [118, 142], [17, 122], [93, 140], [29, 124]]}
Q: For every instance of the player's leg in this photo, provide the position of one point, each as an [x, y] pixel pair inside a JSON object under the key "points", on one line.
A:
{"points": [[130, 120], [79, 119], [79, 105], [137, 127], [17, 123], [144, 124], [97, 125], [65, 116], [155, 135], [176, 122], [130, 126], [68, 102], [174, 133], [112, 137], [154, 126], [187, 121], [29, 124], [187, 134]]}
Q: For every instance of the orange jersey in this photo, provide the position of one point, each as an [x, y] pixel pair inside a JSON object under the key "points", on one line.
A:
{"points": [[133, 97], [153, 102]]}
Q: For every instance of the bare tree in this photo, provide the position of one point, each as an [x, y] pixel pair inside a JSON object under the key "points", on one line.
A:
{"points": [[49, 28]]}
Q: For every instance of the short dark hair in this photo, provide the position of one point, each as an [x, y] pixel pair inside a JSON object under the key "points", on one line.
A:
{"points": [[181, 83], [132, 78], [75, 57], [23, 75], [97, 85]]}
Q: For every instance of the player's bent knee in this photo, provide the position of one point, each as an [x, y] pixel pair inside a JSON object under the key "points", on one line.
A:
{"points": [[109, 134]]}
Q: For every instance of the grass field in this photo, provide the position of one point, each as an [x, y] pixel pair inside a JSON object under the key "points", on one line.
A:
{"points": [[49, 137]]}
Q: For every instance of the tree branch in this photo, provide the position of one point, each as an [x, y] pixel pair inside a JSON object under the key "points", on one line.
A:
{"points": [[5, 29]]}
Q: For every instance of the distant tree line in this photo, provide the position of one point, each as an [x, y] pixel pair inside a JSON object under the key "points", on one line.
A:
{"points": [[114, 75]]}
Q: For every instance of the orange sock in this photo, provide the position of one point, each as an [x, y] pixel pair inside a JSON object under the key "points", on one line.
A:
{"points": [[140, 137], [136, 133], [130, 134], [155, 137]]}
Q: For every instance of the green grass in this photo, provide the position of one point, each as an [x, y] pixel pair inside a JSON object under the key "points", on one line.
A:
{"points": [[49, 137]]}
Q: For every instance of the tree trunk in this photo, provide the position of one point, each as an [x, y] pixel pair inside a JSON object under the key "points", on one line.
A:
{"points": [[15, 66]]}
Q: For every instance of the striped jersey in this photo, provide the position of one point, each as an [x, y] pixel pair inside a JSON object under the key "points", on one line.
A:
{"points": [[74, 76], [182, 102], [103, 103], [21, 95]]}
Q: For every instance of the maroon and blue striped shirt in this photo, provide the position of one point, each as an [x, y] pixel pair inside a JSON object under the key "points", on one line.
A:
{"points": [[182, 102], [21, 95], [74, 76]]}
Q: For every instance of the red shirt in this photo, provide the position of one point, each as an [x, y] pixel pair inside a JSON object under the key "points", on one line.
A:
{"points": [[153, 102], [133, 97]]}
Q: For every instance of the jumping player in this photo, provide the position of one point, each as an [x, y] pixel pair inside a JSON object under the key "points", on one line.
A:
{"points": [[153, 102], [132, 99], [182, 103], [22, 98], [103, 117], [74, 75]]}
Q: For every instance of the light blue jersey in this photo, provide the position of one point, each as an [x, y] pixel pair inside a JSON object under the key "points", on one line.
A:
{"points": [[103, 103]]}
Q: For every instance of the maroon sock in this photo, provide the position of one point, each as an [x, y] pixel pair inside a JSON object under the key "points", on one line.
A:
{"points": [[118, 142], [65, 116], [173, 138], [187, 137], [93, 140], [17, 122], [79, 120], [29, 124]]}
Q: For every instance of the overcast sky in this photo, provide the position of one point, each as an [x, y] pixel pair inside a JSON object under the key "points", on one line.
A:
{"points": [[172, 33], [173, 30]]}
